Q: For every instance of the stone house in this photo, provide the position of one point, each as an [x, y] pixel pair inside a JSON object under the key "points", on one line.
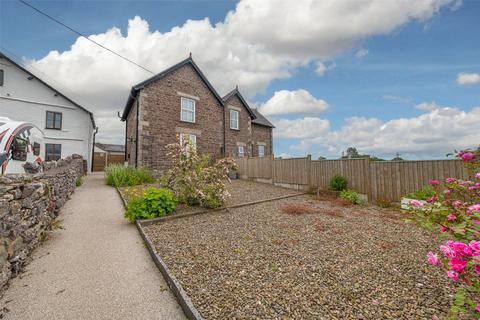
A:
{"points": [[181, 102]]}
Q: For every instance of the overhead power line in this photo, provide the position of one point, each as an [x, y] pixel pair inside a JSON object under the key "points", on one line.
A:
{"points": [[84, 36]]}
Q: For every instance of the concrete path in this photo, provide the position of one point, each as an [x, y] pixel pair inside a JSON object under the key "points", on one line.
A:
{"points": [[97, 268]]}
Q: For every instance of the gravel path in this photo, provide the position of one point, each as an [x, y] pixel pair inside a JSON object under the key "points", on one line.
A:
{"points": [[258, 262], [97, 268]]}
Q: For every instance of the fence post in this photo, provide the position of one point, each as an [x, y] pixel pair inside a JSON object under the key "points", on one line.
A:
{"points": [[272, 159], [309, 171]]}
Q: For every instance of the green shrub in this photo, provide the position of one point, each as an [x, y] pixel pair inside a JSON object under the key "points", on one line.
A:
{"points": [[351, 195], [152, 204], [338, 183], [117, 175], [79, 182], [422, 194]]}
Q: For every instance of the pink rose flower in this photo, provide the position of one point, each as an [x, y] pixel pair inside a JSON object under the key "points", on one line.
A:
{"points": [[461, 249], [447, 191], [456, 204], [475, 207], [458, 265], [443, 229], [477, 175], [451, 217], [468, 156], [476, 221], [416, 203], [450, 180], [432, 259], [448, 251], [434, 182], [474, 245], [432, 199], [453, 275]]}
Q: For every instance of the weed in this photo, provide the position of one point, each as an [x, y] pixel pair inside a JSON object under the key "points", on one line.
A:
{"points": [[296, 208], [78, 182], [274, 267], [351, 196]]}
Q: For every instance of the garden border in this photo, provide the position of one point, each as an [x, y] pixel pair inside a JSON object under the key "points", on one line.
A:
{"points": [[185, 302]]}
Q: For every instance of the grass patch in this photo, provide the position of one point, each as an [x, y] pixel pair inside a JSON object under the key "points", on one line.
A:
{"points": [[117, 175]]}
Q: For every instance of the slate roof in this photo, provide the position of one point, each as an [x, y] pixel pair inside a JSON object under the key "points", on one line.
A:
{"points": [[120, 148], [245, 104], [135, 89], [261, 120], [2, 55]]}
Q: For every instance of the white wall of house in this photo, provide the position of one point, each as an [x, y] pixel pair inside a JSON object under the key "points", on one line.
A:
{"points": [[27, 100]]}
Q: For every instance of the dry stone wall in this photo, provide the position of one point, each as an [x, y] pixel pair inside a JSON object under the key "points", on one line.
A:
{"points": [[28, 205]]}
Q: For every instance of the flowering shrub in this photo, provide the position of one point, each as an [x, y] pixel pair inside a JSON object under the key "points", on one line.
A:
{"points": [[152, 203], [194, 180], [454, 209]]}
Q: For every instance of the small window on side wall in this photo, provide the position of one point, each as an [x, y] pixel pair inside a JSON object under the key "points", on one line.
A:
{"points": [[192, 140], [234, 120], [241, 151], [187, 112], [54, 120], [53, 152], [261, 151]]}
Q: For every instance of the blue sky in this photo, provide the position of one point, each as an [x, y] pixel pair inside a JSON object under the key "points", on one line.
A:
{"points": [[413, 61]]}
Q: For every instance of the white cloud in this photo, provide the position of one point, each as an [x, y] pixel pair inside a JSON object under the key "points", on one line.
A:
{"points": [[362, 53], [427, 106], [298, 101], [322, 68], [308, 127], [466, 79], [248, 48], [432, 134]]}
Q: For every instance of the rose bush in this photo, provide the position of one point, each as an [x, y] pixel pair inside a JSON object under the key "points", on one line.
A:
{"points": [[455, 210], [194, 179]]}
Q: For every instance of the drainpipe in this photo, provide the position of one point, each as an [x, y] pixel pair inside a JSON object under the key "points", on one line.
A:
{"points": [[136, 131], [93, 148]]}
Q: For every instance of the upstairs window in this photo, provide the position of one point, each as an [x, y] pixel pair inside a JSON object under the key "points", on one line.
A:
{"points": [[261, 151], [54, 120], [234, 119], [241, 151], [53, 152], [187, 110]]}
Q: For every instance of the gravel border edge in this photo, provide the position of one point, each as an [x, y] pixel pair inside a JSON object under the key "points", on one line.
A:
{"points": [[187, 306]]}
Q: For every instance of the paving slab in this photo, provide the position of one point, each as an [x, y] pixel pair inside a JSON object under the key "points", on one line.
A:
{"points": [[96, 268]]}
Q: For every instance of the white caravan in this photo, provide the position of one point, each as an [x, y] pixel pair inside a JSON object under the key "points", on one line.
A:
{"points": [[20, 142]]}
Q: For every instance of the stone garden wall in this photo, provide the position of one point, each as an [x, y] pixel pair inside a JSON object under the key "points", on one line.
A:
{"points": [[28, 205]]}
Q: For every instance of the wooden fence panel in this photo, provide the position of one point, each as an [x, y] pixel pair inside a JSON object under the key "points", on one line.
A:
{"points": [[391, 180], [294, 170], [388, 180], [356, 171]]}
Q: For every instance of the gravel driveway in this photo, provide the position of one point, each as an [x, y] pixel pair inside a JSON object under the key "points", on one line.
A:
{"points": [[258, 262]]}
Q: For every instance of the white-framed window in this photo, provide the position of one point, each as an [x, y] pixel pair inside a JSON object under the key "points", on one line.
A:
{"points": [[187, 112], [241, 151], [261, 151], [234, 119], [192, 138]]}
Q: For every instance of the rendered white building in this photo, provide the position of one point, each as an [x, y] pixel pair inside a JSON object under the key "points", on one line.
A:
{"points": [[68, 127]]}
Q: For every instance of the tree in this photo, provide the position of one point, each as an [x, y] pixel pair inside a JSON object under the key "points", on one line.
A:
{"points": [[322, 158], [397, 157]]}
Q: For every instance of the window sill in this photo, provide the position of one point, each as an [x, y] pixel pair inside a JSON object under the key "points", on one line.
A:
{"points": [[187, 121], [54, 129], [234, 129]]}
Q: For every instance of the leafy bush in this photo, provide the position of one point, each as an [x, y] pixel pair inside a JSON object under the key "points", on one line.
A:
{"points": [[422, 194], [152, 204], [194, 180], [338, 183], [351, 195], [117, 175]]}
